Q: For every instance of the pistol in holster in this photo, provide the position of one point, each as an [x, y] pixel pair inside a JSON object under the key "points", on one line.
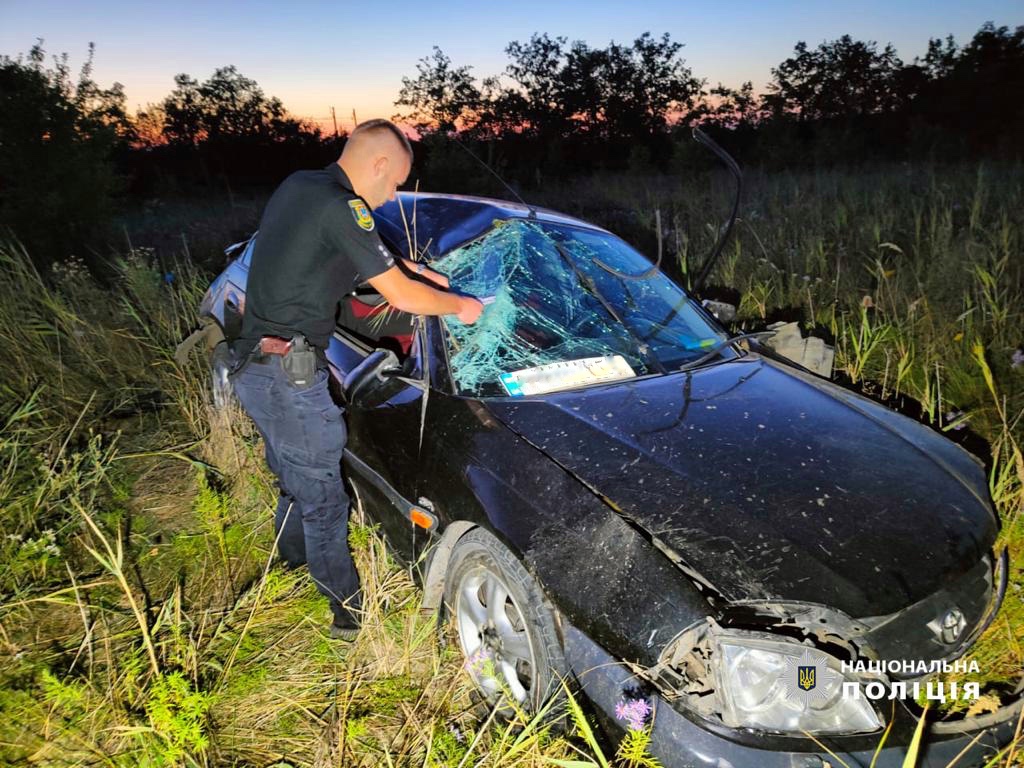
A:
{"points": [[299, 363]]}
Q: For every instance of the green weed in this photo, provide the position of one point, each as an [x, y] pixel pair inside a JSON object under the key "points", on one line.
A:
{"points": [[143, 621]]}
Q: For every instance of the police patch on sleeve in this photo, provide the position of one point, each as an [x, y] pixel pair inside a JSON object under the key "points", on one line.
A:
{"points": [[361, 214]]}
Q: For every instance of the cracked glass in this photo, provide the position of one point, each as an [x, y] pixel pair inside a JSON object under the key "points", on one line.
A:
{"points": [[548, 300]]}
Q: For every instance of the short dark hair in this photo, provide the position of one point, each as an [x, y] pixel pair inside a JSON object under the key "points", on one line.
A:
{"points": [[379, 125]]}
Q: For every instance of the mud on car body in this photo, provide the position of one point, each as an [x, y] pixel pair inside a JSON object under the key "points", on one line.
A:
{"points": [[604, 486]]}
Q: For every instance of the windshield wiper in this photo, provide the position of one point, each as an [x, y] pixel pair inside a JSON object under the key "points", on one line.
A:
{"points": [[590, 287], [647, 273], [722, 345]]}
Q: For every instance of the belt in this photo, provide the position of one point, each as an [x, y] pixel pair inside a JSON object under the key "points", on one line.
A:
{"points": [[265, 349], [269, 347]]}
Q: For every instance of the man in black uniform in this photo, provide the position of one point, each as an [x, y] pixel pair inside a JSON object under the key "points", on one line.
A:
{"points": [[316, 242]]}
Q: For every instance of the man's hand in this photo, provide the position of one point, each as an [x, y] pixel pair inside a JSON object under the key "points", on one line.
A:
{"points": [[471, 309]]}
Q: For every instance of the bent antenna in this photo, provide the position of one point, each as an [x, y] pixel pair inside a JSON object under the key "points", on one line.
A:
{"points": [[734, 169], [506, 185]]}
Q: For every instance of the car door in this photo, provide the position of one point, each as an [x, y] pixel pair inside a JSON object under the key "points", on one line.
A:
{"points": [[384, 433]]}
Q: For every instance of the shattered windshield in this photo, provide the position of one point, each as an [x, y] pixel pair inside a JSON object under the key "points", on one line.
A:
{"points": [[548, 301]]}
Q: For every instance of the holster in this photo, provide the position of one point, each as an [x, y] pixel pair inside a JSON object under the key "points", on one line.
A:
{"points": [[299, 363]]}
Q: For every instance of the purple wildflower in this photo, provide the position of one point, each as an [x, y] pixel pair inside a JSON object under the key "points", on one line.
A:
{"points": [[476, 662], [1017, 358], [634, 712]]}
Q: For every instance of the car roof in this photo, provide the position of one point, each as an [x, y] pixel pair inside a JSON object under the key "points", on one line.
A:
{"points": [[444, 222]]}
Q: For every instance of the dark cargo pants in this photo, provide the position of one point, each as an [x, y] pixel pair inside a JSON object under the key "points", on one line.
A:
{"points": [[304, 434]]}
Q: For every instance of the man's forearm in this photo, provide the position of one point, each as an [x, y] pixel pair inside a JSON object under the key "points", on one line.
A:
{"points": [[421, 299], [421, 269]]}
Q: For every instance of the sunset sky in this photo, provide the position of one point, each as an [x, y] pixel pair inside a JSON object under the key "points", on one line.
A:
{"points": [[314, 55]]}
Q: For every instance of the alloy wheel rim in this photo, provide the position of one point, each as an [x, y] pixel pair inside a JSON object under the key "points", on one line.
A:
{"points": [[221, 384], [493, 636]]}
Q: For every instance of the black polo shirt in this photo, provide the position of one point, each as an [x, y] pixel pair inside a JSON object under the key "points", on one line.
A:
{"points": [[316, 242]]}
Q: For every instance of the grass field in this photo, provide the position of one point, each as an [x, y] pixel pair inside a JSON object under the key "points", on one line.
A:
{"points": [[142, 621]]}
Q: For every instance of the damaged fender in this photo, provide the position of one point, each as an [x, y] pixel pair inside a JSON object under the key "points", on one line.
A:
{"points": [[604, 575]]}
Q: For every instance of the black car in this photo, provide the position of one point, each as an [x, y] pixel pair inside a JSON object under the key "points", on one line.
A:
{"points": [[604, 485]]}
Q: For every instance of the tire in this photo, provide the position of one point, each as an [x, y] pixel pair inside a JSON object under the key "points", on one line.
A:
{"points": [[506, 627], [221, 392]]}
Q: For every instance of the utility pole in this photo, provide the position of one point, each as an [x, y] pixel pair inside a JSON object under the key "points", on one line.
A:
{"points": [[335, 121], [355, 122]]}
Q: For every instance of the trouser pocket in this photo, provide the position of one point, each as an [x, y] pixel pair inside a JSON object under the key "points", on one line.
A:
{"points": [[317, 398]]}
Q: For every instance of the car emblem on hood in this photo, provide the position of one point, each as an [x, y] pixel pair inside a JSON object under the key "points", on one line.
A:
{"points": [[949, 628]]}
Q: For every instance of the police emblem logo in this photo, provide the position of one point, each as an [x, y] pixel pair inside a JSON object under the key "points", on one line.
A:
{"points": [[805, 677], [808, 678], [361, 214]]}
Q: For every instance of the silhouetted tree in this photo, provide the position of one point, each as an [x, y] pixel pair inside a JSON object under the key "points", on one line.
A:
{"points": [[222, 131], [969, 102], [183, 113], [622, 92], [441, 97], [644, 84], [941, 57], [839, 79], [537, 99], [732, 108], [584, 76], [58, 137], [228, 106]]}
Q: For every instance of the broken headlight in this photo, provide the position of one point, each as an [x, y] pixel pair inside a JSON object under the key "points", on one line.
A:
{"points": [[783, 686]]}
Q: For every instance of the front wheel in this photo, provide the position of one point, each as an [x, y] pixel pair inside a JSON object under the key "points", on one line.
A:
{"points": [[505, 624]]}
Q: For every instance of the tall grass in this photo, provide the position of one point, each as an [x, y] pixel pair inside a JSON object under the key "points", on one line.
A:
{"points": [[143, 619]]}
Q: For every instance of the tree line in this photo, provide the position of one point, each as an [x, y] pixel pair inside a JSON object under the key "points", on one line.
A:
{"points": [[72, 157], [561, 107], [71, 154]]}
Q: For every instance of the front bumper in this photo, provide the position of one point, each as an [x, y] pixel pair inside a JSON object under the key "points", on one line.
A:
{"points": [[679, 742]]}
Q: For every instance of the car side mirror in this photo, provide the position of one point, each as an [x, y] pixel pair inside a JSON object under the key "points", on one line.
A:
{"points": [[374, 380]]}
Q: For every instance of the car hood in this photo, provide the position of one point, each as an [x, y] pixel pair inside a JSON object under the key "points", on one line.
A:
{"points": [[769, 483]]}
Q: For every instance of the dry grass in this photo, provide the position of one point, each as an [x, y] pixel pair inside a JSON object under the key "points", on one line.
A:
{"points": [[144, 622]]}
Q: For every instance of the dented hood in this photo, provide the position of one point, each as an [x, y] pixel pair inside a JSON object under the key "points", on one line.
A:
{"points": [[772, 484]]}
